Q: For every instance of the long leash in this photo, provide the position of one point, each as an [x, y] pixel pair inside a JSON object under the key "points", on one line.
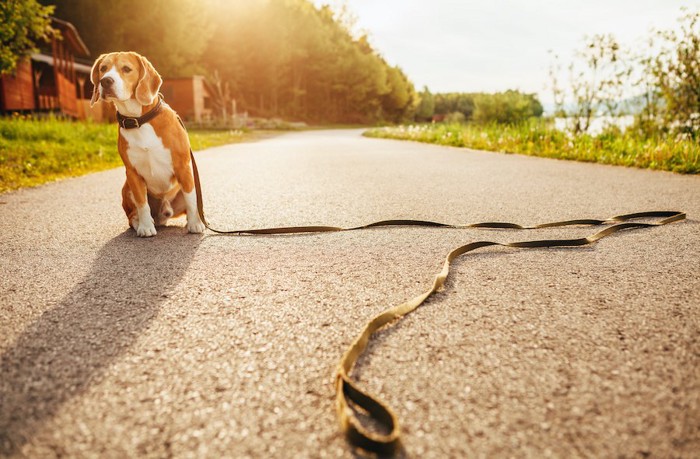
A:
{"points": [[353, 403]]}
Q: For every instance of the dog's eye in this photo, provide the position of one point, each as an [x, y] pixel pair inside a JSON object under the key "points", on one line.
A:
{"points": [[126, 69], [103, 68]]}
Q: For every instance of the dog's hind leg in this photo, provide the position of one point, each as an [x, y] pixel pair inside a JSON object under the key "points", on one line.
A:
{"points": [[178, 204]]}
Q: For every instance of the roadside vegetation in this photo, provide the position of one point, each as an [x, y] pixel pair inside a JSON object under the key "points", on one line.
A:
{"points": [[35, 151], [657, 85], [540, 138]]}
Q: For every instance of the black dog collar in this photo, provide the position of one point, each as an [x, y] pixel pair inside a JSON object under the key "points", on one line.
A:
{"points": [[130, 122]]}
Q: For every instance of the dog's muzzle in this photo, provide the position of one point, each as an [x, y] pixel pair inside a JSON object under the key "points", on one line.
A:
{"points": [[107, 84]]}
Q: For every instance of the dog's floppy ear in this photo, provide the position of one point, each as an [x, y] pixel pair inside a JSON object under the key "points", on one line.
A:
{"points": [[95, 82], [149, 84]]}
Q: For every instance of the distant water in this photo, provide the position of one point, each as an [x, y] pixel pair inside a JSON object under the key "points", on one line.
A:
{"points": [[598, 123]]}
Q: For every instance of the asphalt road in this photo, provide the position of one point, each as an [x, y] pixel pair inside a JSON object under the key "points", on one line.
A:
{"points": [[207, 346]]}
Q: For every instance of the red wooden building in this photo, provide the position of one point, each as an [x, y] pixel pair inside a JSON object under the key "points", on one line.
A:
{"points": [[189, 97], [51, 80]]}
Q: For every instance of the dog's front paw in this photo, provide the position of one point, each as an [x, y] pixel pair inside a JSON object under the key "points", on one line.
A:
{"points": [[195, 226], [146, 229]]}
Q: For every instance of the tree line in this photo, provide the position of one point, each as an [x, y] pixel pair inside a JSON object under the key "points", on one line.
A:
{"points": [[277, 58], [284, 58], [507, 107]]}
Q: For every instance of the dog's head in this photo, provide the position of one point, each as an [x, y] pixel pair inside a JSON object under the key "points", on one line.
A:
{"points": [[123, 76]]}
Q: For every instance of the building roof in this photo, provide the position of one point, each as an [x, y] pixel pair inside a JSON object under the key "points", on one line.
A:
{"points": [[71, 37], [37, 57]]}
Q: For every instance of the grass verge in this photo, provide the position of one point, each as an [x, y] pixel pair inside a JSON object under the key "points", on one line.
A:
{"points": [[540, 138], [35, 151]]}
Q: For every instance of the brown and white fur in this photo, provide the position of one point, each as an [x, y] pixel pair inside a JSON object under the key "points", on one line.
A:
{"points": [[159, 181]]}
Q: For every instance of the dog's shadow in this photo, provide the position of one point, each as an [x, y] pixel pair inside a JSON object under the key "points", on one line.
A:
{"points": [[69, 347]]}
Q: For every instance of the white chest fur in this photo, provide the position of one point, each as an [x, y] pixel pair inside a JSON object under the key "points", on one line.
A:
{"points": [[150, 158]]}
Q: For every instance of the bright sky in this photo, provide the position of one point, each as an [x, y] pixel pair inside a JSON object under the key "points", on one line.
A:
{"points": [[494, 45]]}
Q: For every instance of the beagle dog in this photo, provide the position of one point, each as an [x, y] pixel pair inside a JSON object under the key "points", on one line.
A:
{"points": [[153, 144]]}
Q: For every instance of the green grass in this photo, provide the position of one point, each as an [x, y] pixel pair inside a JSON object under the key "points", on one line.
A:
{"points": [[539, 138], [201, 139], [35, 151]]}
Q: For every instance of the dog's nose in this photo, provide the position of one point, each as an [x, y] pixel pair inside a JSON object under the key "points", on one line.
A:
{"points": [[106, 82]]}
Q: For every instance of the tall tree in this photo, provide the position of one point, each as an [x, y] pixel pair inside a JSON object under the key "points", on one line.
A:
{"points": [[676, 72], [290, 58], [400, 98], [596, 82], [426, 105], [23, 25], [173, 34]]}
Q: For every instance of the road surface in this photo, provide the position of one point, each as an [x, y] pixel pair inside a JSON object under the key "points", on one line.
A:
{"points": [[208, 346]]}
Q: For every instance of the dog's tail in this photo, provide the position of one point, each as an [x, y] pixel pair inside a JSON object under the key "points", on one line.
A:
{"points": [[162, 211], [166, 210]]}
